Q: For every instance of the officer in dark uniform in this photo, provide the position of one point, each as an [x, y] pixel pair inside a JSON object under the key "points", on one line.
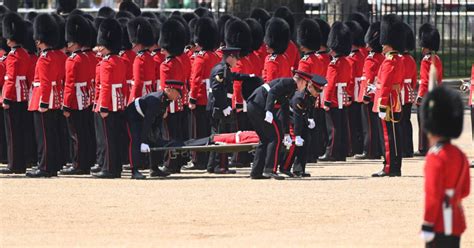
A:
{"points": [[141, 115], [261, 111], [220, 105]]}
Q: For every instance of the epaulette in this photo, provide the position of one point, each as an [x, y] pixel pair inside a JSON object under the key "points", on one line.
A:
{"points": [[201, 53], [106, 57], [273, 57], [12, 51], [72, 55], [334, 60], [371, 55], [168, 59], [427, 56], [153, 53], [44, 54], [389, 56], [305, 57], [219, 78], [141, 53], [3, 58], [436, 148], [351, 54], [121, 53]]}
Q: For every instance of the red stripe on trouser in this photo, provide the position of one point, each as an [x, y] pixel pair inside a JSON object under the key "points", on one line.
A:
{"points": [[45, 152], [387, 147], [277, 148], [333, 135], [106, 143], [130, 146], [289, 157]]}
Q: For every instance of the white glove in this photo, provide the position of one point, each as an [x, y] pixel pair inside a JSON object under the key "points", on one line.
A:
{"points": [[287, 141], [371, 88], [382, 115], [227, 111], [427, 236], [311, 124], [299, 141], [145, 148], [465, 87], [269, 117]]}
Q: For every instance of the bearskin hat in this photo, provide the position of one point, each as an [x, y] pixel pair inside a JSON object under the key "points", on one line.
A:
{"points": [[172, 37], [126, 44], [361, 19], [410, 44], [106, 12], [429, 37], [30, 16], [130, 6], [14, 27], [324, 28], [110, 35], [238, 34], [98, 20], [392, 32], [66, 6], [187, 33], [286, 14], [262, 16], [148, 15], [205, 33], [77, 12], [88, 17], [221, 26], [372, 37], [160, 17], [257, 33], [357, 33], [46, 30], [77, 30], [189, 16], [277, 35], [92, 34], [29, 44], [155, 26], [124, 14], [62, 30], [340, 39], [191, 25], [442, 112], [140, 31], [309, 35], [203, 12]]}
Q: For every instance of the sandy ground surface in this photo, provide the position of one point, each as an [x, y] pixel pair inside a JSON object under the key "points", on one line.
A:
{"points": [[340, 206]]}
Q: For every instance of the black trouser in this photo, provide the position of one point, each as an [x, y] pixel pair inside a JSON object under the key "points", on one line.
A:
{"points": [[201, 129], [3, 138], [336, 124], [354, 124], [370, 127], [100, 139], [443, 241], [124, 140], [91, 139], [423, 145], [134, 129], [64, 152], [266, 154], [31, 151], [49, 140], [242, 124], [297, 156], [407, 131], [392, 145], [111, 126], [219, 160], [15, 119], [78, 124], [174, 126], [472, 121], [319, 137]]}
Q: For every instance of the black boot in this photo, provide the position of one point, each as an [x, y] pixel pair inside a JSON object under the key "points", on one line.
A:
{"points": [[9, 171], [326, 158], [156, 172], [137, 175], [104, 174], [96, 168], [39, 173], [74, 171]]}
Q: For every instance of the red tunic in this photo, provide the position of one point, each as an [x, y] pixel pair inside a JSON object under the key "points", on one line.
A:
{"points": [[262, 53], [204, 61], [244, 66], [128, 56], [356, 60], [257, 64], [158, 57], [77, 84], [97, 86], [389, 83], [186, 65], [446, 168], [409, 83], [292, 54], [219, 52], [310, 63], [338, 75], [31, 72], [471, 95], [425, 73], [62, 57], [276, 66], [371, 68], [172, 69], [15, 87], [47, 88], [93, 60], [325, 59], [112, 83], [2, 76], [143, 75], [364, 51]]}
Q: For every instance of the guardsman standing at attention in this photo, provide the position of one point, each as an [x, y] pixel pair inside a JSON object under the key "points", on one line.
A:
{"points": [[291, 52], [141, 37], [387, 94], [429, 39], [469, 86], [447, 179], [77, 95], [46, 99], [276, 64], [15, 92], [4, 50], [336, 97], [126, 53], [205, 38], [112, 98]]}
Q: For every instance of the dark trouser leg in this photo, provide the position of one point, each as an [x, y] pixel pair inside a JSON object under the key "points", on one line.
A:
{"points": [[441, 241], [100, 139], [218, 160], [134, 130], [124, 141], [367, 130], [112, 160], [319, 134], [302, 152], [78, 124], [342, 140], [48, 139], [14, 129], [90, 137], [201, 129], [256, 119], [407, 130], [355, 123], [331, 132], [30, 151], [3, 138], [65, 144], [422, 139]]}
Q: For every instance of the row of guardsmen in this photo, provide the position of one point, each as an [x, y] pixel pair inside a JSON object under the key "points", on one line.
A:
{"points": [[354, 86]]}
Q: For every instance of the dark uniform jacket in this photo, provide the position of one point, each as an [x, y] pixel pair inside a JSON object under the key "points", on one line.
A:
{"points": [[153, 106]]}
